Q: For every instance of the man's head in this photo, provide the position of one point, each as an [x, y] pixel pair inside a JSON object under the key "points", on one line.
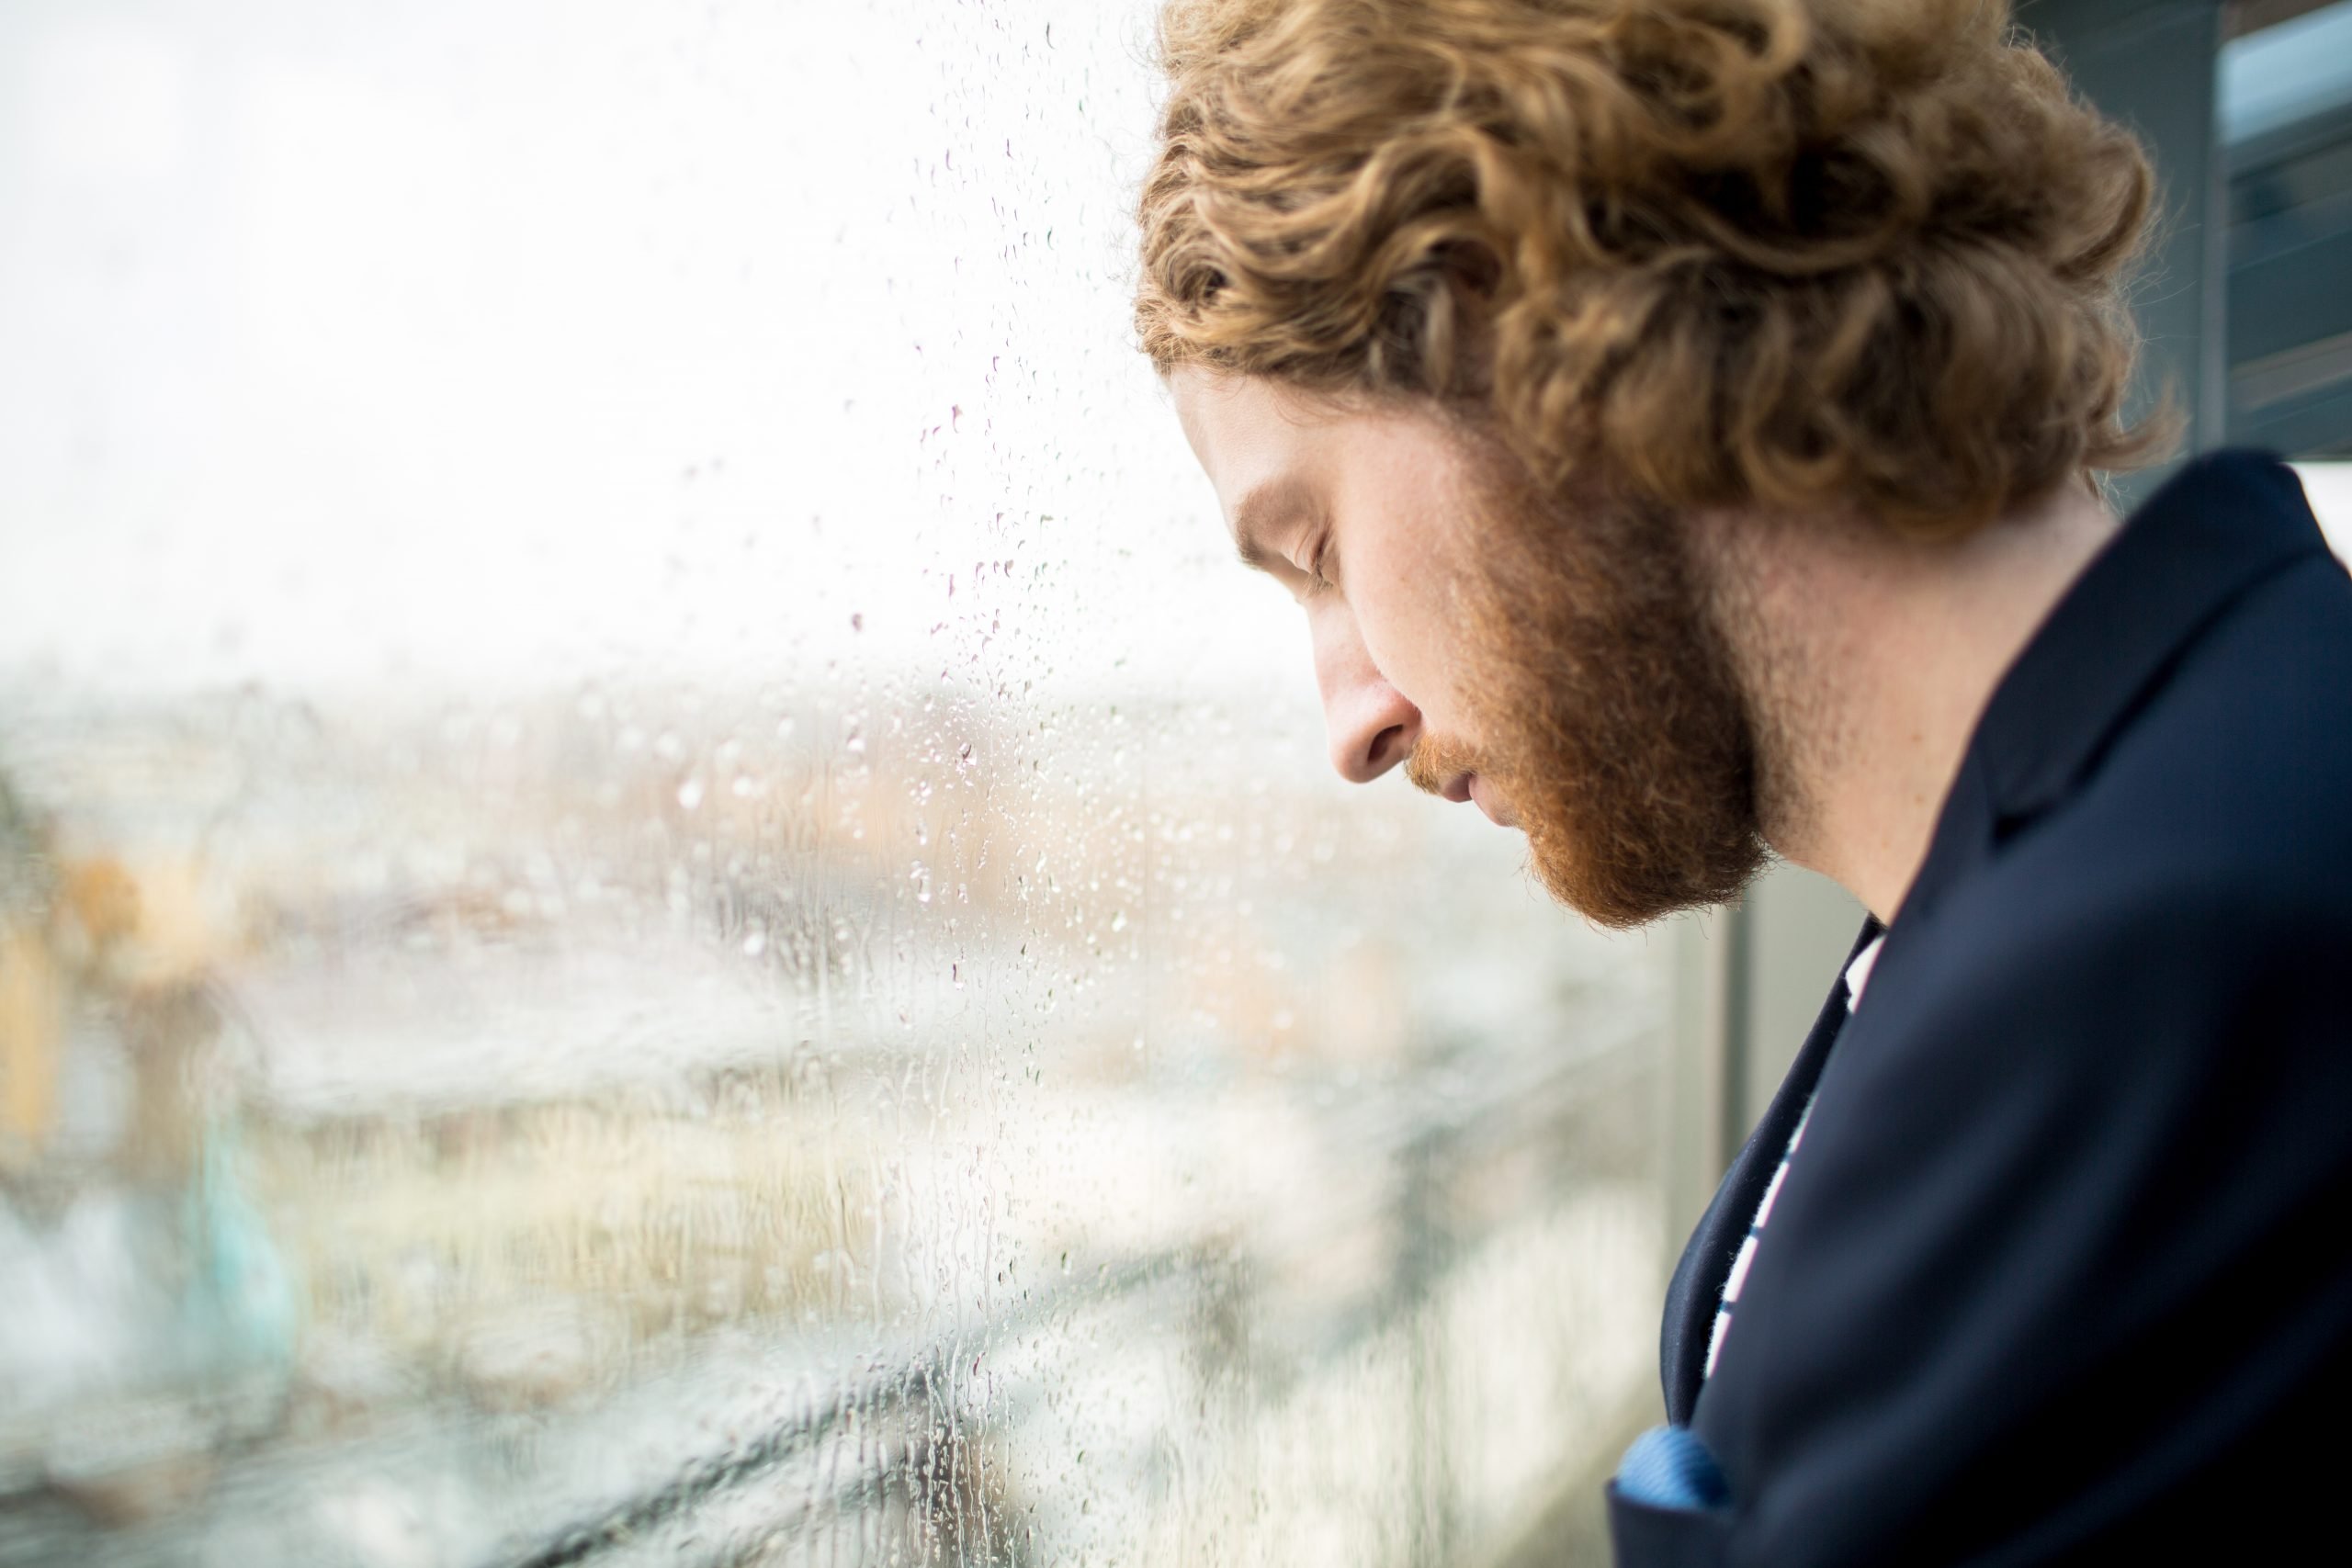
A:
{"points": [[1502, 294], [1556, 669]]}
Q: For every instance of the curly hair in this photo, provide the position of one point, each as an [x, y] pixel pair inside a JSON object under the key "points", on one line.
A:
{"points": [[1789, 253]]}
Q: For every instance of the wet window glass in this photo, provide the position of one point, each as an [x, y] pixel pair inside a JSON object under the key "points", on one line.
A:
{"points": [[661, 898]]}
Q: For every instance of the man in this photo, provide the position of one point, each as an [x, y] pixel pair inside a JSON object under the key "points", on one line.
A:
{"points": [[1677, 419]]}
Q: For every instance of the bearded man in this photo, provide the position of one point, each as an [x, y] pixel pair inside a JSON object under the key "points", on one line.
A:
{"points": [[1678, 419]]}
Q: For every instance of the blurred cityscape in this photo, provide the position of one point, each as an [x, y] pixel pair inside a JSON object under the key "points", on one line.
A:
{"points": [[644, 1124]]}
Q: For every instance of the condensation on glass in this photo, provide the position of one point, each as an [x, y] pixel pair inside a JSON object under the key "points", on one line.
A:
{"points": [[661, 898]]}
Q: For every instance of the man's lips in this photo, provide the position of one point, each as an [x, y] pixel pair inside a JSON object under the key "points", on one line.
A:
{"points": [[1482, 793], [1471, 788]]}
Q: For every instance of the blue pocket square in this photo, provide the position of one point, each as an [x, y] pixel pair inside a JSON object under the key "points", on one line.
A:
{"points": [[1668, 1467]]}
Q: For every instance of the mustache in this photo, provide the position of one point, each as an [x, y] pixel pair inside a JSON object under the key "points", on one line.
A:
{"points": [[1436, 761]]}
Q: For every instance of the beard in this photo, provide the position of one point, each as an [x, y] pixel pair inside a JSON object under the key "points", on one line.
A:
{"points": [[1608, 713]]}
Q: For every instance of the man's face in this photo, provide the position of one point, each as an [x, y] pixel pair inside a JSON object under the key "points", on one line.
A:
{"points": [[1558, 670]]}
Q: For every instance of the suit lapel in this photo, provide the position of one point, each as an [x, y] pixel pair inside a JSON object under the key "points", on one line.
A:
{"points": [[1697, 1288]]}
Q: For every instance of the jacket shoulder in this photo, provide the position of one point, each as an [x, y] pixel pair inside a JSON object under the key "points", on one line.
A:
{"points": [[2221, 812]]}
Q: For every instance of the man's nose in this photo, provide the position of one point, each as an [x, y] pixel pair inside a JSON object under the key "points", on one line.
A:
{"points": [[1372, 725]]}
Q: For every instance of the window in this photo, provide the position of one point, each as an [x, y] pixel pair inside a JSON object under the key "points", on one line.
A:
{"points": [[2285, 122], [661, 900]]}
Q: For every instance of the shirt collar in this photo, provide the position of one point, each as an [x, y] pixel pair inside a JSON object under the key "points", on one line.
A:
{"points": [[2221, 523], [1858, 973]]}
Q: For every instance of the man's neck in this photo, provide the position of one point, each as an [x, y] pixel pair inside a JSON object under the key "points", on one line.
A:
{"points": [[1867, 661]]}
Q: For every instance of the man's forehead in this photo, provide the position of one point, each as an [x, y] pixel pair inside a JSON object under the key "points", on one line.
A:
{"points": [[1274, 454], [1258, 454], [1234, 421]]}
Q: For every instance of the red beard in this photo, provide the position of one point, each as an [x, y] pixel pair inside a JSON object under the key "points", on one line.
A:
{"points": [[1608, 715]]}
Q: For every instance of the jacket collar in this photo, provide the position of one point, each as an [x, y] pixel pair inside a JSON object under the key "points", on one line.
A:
{"points": [[2220, 524]]}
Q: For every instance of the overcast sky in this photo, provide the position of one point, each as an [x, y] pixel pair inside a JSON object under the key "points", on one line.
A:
{"points": [[516, 343]]}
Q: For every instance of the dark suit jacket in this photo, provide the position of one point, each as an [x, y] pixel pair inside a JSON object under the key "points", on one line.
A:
{"points": [[2063, 1272]]}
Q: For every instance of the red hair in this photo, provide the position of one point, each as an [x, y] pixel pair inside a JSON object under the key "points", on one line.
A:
{"points": [[1858, 254]]}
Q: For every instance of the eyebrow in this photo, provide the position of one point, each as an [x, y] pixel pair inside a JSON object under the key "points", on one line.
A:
{"points": [[1257, 514]]}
